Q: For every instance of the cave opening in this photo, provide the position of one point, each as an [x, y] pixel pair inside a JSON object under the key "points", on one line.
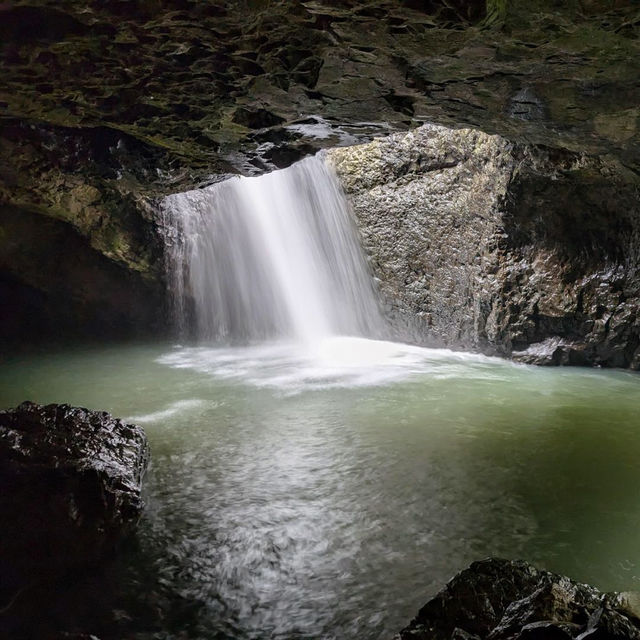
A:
{"points": [[406, 339], [312, 429]]}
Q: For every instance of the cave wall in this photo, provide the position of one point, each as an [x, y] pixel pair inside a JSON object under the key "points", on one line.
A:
{"points": [[251, 85], [81, 250], [510, 249], [54, 287]]}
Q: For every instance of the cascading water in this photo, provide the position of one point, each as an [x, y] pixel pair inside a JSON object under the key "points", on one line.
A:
{"points": [[275, 256], [273, 272]]}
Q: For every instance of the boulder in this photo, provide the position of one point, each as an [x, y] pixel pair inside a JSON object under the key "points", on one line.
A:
{"points": [[512, 250], [71, 483], [511, 600]]}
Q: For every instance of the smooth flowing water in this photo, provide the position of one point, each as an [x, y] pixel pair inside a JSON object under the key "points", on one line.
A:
{"points": [[328, 495], [271, 256]]}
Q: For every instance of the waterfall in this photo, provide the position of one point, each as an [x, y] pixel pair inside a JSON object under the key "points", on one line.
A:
{"points": [[274, 256]]}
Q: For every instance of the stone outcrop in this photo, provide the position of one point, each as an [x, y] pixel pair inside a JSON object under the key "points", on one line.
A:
{"points": [[511, 600], [510, 249], [71, 490]]}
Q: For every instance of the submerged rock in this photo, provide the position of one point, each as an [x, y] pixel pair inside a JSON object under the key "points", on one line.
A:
{"points": [[511, 600], [71, 488]]}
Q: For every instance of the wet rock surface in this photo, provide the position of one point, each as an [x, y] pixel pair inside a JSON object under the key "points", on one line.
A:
{"points": [[511, 600], [509, 249], [71, 490]]}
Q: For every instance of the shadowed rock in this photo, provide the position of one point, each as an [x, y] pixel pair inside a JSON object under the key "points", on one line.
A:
{"points": [[71, 489], [213, 83], [511, 600]]}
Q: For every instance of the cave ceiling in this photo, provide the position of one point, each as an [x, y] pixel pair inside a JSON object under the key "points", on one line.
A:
{"points": [[180, 91]]}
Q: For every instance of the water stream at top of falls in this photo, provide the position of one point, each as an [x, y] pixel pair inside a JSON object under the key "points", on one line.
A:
{"points": [[274, 256]]}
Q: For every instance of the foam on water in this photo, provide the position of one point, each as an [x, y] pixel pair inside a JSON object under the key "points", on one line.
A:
{"points": [[173, 409], [274, 263], [333, 362]]}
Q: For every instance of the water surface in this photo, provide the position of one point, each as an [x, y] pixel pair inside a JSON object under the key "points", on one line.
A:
{"points": [[329, 492]]}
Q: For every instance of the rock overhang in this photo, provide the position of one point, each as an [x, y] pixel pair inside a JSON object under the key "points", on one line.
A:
{"points": [[105, 107], [221, 87]]}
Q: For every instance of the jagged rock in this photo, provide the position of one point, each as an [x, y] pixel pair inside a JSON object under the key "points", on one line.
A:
{"points": [[555, 599], [71, 489], [627, 602], [461, 634], [511, 600], [552, 351], [473, 601], [508, 249], [608, 624], [545, 630]]}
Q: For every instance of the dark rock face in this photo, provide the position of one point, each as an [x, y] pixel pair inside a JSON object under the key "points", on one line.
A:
{"points": [[509, 249], [258, 84], [71, 489], [511, 600], [54, 286], [80, 248]]}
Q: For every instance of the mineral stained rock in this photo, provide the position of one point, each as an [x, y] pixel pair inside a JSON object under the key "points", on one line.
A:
{"points": [[511, 600], [71, 489], [514, 250], [213, 84]]}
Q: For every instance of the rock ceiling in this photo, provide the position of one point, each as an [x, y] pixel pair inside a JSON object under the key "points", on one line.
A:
{"points": [[209, 87]]}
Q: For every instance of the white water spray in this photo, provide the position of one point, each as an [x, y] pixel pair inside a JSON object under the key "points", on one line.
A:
{"points": [[273, 266], [275, 256]]}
